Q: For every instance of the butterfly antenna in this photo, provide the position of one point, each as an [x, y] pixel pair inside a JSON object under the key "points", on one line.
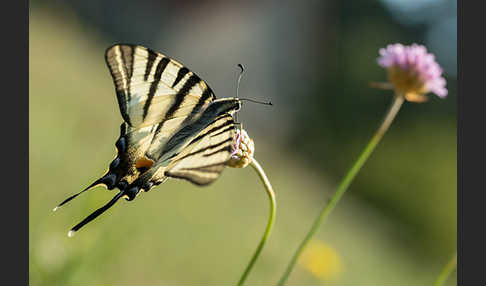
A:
{"points": [[242, 70], [95, 214], [256, 101]]}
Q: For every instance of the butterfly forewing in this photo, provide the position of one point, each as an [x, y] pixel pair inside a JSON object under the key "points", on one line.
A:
{"points": [[157, 97], [152, 88]]}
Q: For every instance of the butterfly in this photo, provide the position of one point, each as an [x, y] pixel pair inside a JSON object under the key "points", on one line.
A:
{"points": [[173, 126]]}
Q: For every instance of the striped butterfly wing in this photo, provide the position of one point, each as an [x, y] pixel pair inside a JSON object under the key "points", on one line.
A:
{"points": [[203, 146], [205, 157], [171, 127], [157, 97], [200, 162], [152, 88]]}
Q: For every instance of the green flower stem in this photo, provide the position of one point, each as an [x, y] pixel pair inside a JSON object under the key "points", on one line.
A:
{"points": [[271, 219], [343, 186], [444, 274]]}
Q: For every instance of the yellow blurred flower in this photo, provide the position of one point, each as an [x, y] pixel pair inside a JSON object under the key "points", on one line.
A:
{"points": [[321, 260]]}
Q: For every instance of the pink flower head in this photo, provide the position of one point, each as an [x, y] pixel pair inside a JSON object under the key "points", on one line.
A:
{"points": [[412, 71], [243, 149]]}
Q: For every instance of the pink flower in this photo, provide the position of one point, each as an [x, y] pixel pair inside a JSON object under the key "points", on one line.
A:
{"points": [[412, 71], [243, 149]]}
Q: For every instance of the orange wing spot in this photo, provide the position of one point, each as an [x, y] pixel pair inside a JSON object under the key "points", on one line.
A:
{"points": [[144, 163]]}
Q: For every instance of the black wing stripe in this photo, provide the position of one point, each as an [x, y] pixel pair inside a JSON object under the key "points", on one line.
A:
{"points": [[202, 150], [179, 98], [199, 176], [150, 63], [154, 85], [180, 75], [203, 180], [113, 64], [125, 64], [131, 59], [224, 130], [206, 95], [187, 129], [214, 129], [226, 148], [188, 85], [205, 169], [123, 107], [205, 156]]}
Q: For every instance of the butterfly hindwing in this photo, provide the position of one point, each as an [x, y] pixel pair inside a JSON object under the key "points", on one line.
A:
{"points": [[203, 145], [202, 161]]}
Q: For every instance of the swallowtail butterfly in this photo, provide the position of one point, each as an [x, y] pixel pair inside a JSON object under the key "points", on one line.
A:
{"points": [[173, 126]]}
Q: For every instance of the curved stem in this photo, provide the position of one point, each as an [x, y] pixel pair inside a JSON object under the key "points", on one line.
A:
{"points": [[271, 219], [446, 271], [343, 186]]}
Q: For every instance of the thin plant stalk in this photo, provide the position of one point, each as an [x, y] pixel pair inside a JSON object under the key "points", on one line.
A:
{"points": [[446, 271], [273, 210], [347, 180]]}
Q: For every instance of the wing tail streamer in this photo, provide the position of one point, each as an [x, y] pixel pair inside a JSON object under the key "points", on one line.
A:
{"points": [[96, 213]]}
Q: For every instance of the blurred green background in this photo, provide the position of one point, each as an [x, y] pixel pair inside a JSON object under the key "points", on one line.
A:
{"points": [[313, 60]]}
